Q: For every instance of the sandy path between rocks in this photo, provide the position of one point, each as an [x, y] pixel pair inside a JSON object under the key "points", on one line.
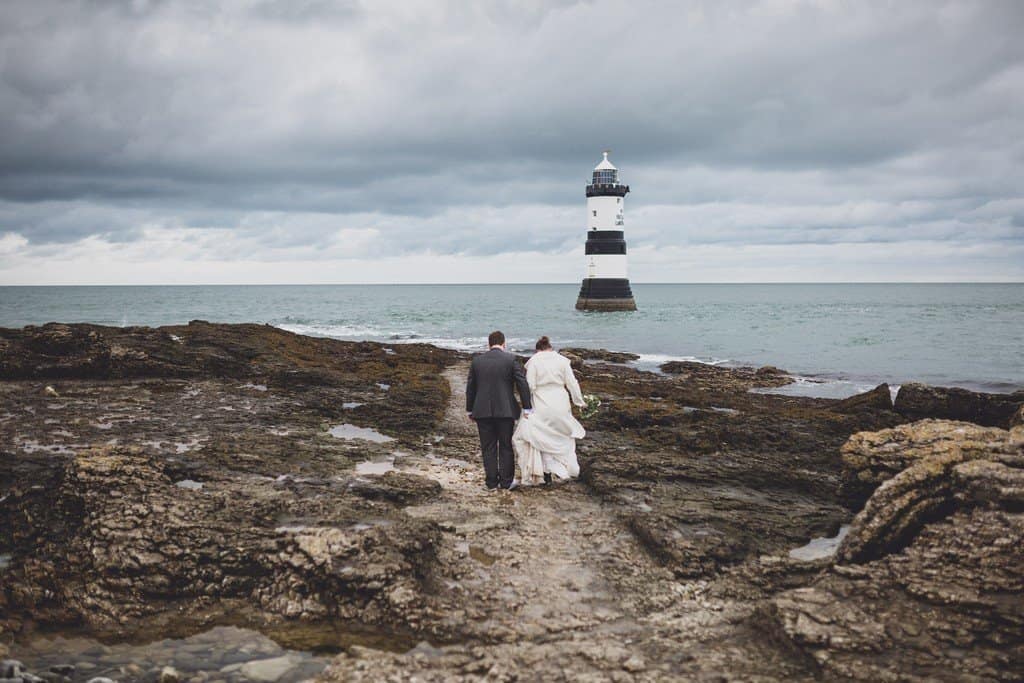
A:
{"points": [[542, 582]]}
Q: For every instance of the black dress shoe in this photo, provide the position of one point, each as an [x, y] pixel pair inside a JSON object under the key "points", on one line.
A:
{"points": [[547, 477]]}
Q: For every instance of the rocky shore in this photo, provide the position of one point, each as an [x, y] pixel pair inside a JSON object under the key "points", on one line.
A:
{"points": [[316, 508]]}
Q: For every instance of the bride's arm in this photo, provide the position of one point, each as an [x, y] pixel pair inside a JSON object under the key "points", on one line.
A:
{"points": [[572, 385], [531, 375]]}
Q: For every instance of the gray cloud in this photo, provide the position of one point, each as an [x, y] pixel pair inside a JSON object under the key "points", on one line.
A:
{"points": [[470, 129]]}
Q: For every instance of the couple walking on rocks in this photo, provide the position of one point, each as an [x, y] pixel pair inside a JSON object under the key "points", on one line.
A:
{"points": [[544, 440]]}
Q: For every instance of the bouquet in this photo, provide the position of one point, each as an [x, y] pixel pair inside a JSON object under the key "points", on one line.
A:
{"points": [[590, 410]]}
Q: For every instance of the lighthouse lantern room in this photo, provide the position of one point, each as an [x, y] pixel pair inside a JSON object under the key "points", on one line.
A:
{"points": [[606, 284]]}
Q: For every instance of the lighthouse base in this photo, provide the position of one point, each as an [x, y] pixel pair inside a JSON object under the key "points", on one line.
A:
{"points": [[605, 294]]}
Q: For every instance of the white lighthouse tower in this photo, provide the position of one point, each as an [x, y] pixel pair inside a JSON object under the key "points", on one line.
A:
{"points": [[606, 284]]}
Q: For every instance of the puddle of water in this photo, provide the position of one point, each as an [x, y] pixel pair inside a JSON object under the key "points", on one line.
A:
{"points": [[185, 446], [189, 484], [377, 466], [820, 548], [350, 431], [714, 409], [349, 405]]}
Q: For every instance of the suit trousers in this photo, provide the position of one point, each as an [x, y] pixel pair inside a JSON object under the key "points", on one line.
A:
{"points": [[496, 445]]}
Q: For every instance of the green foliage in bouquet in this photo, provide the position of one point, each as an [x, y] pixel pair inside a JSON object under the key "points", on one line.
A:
{"points": [[593, 404]]}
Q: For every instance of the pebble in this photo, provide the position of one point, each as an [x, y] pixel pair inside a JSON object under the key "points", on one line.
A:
{"points": [[169, 675]]}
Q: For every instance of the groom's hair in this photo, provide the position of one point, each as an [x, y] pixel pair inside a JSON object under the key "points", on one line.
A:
{"points": [[495, 338]]}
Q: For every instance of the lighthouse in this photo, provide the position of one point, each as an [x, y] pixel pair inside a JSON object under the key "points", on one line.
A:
{"points": [[606, 283]]}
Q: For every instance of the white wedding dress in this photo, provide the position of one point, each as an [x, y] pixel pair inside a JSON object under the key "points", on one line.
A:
{"points": [[546, 440]]}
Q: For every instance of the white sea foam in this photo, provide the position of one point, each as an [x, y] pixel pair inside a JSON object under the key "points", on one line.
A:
{"points": [[332, 331], [816, 387], [654, 361]]}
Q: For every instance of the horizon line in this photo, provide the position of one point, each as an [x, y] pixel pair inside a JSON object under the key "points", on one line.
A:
{"points": [[477, 284]]}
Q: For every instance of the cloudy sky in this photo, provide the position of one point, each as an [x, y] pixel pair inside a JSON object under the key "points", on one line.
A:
{"points": [[322, 141]]}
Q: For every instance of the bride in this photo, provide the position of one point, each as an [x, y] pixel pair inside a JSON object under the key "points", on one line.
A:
{"points": [[545, 443]]}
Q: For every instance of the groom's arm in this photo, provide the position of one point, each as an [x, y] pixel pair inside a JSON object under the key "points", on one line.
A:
{"points": [[470, 389], [523, 385]]}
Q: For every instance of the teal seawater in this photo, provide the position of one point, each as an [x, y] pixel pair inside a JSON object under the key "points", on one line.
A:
{"points": [[852, 335]]}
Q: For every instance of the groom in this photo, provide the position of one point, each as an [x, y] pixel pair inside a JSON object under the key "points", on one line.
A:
{"points": [[491, 403]]}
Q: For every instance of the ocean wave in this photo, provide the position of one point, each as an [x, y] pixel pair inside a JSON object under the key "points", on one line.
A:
{"points": [[334, 331]]}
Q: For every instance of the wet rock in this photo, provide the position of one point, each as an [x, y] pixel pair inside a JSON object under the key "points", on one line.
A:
{"points": [[169, 675], [10, 668], [601, 355], [714, 377], [103, 537], [401, 488], [930, 578], [878, 398], [917, 401], [705, 489], [268, 670]]}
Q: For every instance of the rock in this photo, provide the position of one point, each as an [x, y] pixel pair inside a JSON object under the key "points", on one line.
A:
{"points": [[53, 677], [715, 377], [634, 664], [267, 669], [601, 355], [63, 669], [878, 398], [402, 488], [917, 401], [575, 361], [870, 458], [1017, 419], [10, 668], [102, 537], [99, 679], [50, 391], [930, 578], [169, 675]]}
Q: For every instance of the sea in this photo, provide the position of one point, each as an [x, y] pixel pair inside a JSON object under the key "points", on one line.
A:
{"points": [[838, 339]]}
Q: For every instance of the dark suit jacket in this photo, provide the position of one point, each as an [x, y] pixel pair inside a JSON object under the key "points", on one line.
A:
{"points": [[489, 388]]}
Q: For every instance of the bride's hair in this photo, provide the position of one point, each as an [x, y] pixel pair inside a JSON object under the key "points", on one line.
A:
{"points": [[543, 344]]}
